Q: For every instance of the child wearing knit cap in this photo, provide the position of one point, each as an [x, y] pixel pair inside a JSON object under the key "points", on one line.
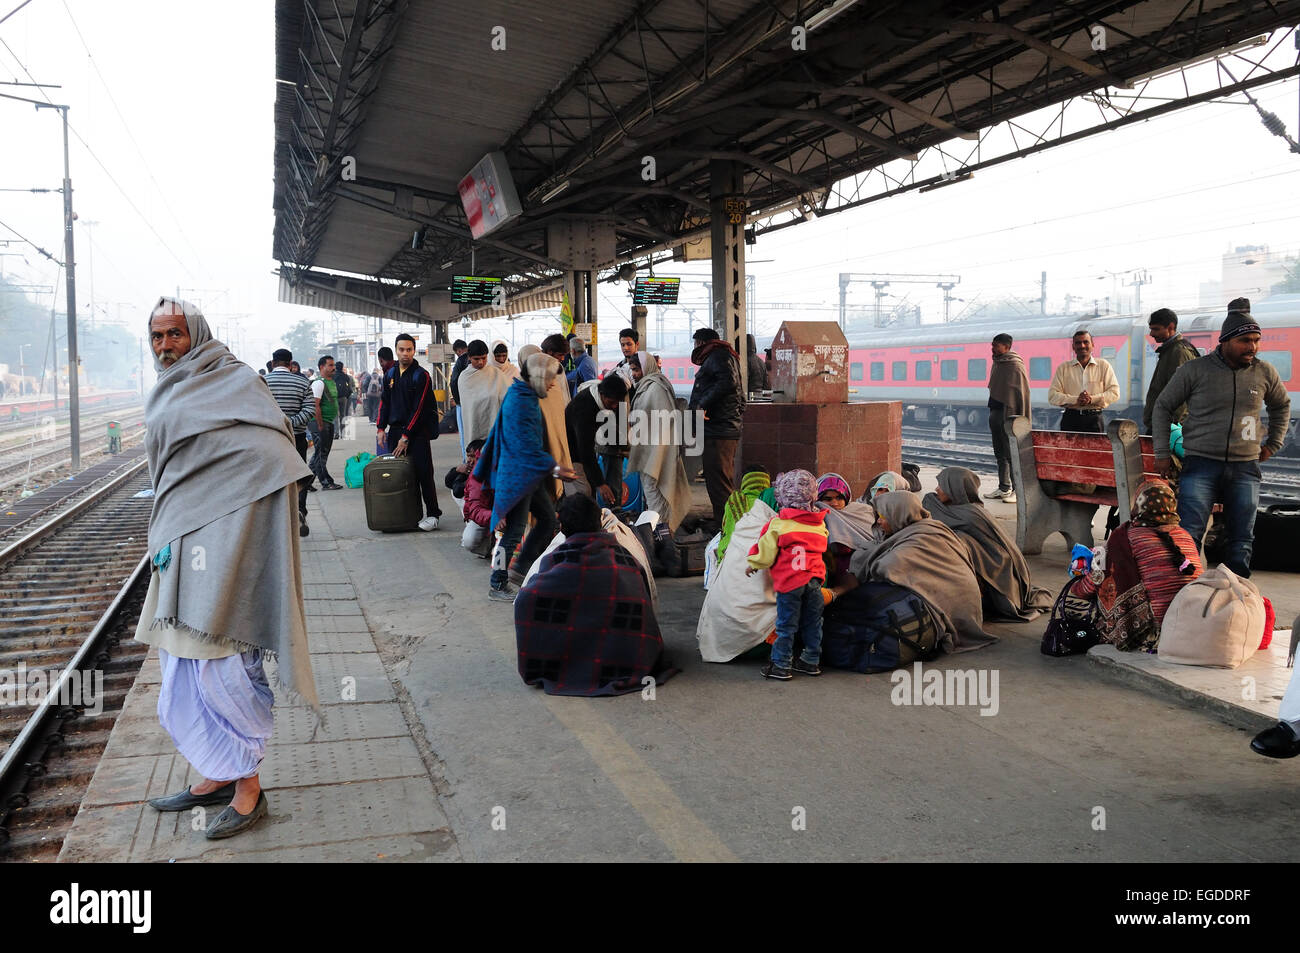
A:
{"points": [[790, 546]]}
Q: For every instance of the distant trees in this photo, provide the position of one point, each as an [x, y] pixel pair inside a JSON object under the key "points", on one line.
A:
{"points": [[301, 339]]}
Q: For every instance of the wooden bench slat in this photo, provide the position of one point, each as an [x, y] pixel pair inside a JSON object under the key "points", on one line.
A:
{"points": [[1082, 458], [1068, 474], [1071, 440]]}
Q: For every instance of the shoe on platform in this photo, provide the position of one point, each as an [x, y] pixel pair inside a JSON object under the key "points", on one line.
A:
{"points": [[184, 800], [771, 671], [312, 489], [303, 528], [515, 579], [998, 494], [1276, 742], [428, 524], [1009, 496], [803, 668], [230, 822], [503, 595], [333, 486]]}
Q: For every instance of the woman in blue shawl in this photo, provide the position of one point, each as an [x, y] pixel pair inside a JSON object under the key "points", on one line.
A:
{"points": [[514, 466]]}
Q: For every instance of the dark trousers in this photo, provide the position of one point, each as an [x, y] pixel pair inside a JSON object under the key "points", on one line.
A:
{"points": [[1235, 484], [372, 408], [1001, 446], [421, 455], [324, 440], [719, 473], [542, 507], [300, 443], [1077, 421]]}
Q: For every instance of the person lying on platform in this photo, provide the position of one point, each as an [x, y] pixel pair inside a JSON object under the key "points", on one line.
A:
{"points": [[927, 557], [585, 622], [1148, 560], [1003, 574]]}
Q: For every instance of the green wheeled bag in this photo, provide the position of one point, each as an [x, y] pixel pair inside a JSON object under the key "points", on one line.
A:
{"points": [[393, 503]]}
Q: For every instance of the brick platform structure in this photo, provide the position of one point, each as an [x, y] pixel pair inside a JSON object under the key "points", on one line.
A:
{"points": [[856, 441]]}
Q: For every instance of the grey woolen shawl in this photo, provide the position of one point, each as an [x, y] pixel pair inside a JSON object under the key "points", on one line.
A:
{"points": [[934, 562], [1003, 573], [217, 444]]}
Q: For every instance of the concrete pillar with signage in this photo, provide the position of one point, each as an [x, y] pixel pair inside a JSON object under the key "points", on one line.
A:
{"points": [[728, 213], [582, 296], [638, 324]]}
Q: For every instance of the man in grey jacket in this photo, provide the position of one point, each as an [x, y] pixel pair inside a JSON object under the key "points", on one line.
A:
{"points": [[1222, 441]]}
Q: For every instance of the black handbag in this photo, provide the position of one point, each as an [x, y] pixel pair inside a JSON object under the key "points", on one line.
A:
{"points": [[1072, 628]]}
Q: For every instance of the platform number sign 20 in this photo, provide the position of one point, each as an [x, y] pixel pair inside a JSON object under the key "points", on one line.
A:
{"points": [[735, 209]]}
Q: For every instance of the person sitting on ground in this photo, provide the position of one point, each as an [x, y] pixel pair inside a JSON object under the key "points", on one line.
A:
{"points": [[514, 466], [1148, 560], [663, 474], [791, 547], [1004, 577], [483, 385], [925, 556], [849, 526], [755, 481], [476, 508], [583, 423], [886, 482], [585, 622], [501, 357]]}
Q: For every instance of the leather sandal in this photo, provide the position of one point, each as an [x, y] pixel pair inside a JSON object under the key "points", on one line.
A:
{"points": [[230, 822], [184, 800]]}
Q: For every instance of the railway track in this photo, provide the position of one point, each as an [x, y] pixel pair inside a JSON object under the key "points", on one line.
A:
{"points": [[16, 464], [70, 591], [29, 433]]}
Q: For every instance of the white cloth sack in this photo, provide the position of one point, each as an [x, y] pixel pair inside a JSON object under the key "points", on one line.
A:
{"points": [[1216, 620], [711, 559], [739, 611]]}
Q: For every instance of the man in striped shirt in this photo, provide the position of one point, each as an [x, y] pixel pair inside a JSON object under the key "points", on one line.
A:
{"points": [[292, 392]]}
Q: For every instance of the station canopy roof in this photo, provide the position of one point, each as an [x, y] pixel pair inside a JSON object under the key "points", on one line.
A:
{"points": [[383, 106]]}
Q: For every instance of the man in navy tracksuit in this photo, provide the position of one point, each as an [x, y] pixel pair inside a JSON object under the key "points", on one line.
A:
{"points": [[408, 413]]}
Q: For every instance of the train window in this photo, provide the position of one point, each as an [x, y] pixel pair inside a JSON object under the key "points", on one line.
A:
{"points": [[690, 373], [877, 370], [1108, 353], [899, 372], [1040, 368], [923, 370], [977, 369], [947, 370], [855, 371], [1281, 361]]}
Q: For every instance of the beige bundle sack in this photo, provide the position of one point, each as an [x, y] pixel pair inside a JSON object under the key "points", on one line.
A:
{"points": [[1215, 620]]}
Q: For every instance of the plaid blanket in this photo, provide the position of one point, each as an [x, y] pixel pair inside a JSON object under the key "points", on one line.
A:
{"points": [[585, 624]]}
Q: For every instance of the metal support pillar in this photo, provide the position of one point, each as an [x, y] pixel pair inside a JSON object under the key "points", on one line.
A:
{"points": [[727, 215], [638, 313]]}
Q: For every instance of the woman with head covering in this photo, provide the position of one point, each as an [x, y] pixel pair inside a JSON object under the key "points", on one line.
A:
{"points": [[1003, 573], [501, 357], [886, 482], [655, 446], [1148, 559], [752, 485], [514, 466], [556, 437], [927, 557], [850, 525], [225, 474]]}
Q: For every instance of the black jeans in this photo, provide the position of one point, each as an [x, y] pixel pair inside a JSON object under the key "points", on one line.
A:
{"points": [[1001, 446], [540, 504], [324, 440], [719, 472], [1077, 421], [300, 443], [421, 456]]}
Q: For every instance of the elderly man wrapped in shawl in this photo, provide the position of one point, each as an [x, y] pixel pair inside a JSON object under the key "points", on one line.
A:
{"points": [[1003, 573], [483, 385], [225, 591], [514, 465], [927, 557], [659, 461], [585, 622]]}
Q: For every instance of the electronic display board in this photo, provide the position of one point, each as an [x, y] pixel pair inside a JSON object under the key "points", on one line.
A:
{"points": [[655, 290], [471, 289]]}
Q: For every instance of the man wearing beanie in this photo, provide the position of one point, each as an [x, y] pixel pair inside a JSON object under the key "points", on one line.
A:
{"points": [[1223, 438]]}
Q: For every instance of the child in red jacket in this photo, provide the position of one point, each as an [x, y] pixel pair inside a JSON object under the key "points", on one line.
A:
{"points": [[791, 547]]}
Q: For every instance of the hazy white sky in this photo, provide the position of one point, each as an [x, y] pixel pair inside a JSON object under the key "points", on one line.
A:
{"points": [[188, 203]]}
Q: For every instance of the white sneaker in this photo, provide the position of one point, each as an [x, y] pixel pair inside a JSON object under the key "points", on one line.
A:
{"points": [[998, 494], [1009, 496], [429, 524]]}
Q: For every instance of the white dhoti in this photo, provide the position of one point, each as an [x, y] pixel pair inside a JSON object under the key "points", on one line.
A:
{"points": [[218, 712]]}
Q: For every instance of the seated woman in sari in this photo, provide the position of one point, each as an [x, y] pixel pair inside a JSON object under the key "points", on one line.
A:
{"points": [[1001, 567], [927, 557], [1148, 559], [850, 526]]}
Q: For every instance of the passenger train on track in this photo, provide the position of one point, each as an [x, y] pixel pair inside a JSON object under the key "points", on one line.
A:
{"points": [[942, 370]]}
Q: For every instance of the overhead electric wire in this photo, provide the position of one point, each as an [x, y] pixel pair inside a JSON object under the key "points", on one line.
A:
{"points": [[14, 10], [127, 129], [99, 162], [24, 238]]}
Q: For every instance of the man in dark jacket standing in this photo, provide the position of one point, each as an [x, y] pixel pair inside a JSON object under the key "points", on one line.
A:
{"points": [[1223, 438], [1008, 397], [461, 350], [719, 393], [408, 413], [1174, 351], [757, 367]]}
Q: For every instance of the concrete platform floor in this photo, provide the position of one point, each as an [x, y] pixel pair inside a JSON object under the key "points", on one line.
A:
{"points": [[446, 755]]}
